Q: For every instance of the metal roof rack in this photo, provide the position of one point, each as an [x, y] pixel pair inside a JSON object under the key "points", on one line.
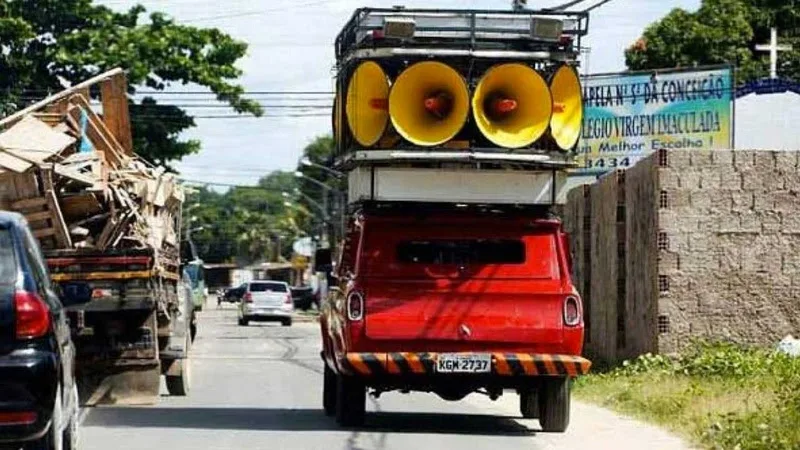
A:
{"points": [[555, 160], [494, 34]]}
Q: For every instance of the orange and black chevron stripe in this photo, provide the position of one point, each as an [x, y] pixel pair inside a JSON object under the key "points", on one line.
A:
{"points": [[503, 364]]}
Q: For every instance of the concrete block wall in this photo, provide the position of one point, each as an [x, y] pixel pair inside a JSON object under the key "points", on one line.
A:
{"points": [[730, 246], [686, 245], [613, 249]]}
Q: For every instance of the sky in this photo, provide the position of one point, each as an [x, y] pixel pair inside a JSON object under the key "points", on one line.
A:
{"points": [[291, 49]]}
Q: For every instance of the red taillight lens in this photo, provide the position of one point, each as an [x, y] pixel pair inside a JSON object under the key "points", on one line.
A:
{"points": [[288, 300], [248, 298], [572, 311], [355, 306], [33, 315], [17, 418]]}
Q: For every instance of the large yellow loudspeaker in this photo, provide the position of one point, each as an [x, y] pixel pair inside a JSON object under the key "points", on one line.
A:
{"points": [[367, 103], [512, 105], [565, 126], [429, 103], [336, 114]]}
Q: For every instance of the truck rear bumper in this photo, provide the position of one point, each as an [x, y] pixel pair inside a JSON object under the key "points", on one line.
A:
{"points": [[503, 365]]}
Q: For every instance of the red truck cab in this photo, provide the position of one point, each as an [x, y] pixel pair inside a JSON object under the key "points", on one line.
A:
{"points": [[453, 301]]}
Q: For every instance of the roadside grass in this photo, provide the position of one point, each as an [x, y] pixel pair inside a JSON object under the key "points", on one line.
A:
{"points": [[718, 396]]}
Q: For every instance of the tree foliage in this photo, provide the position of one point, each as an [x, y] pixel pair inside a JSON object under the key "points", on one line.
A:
{"points": [[720, 32], [244, 224], [48, 42]]}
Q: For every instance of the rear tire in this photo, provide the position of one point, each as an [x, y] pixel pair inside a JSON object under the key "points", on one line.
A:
{"points": [[554, 405], [71, 433], [529, 404], [286, 322], [351, 399], [243, 322], [329, 391], [179, 385]]}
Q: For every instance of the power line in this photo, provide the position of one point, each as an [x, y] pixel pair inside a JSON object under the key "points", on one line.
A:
{"points": [[591, 8], [253, 13], [564, 5]]}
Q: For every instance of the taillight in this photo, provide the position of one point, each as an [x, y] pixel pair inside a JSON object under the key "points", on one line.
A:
{"points": [[572, 311], [17, 418], [355, 306], [33, 315], [248, 297], [288, 300]]}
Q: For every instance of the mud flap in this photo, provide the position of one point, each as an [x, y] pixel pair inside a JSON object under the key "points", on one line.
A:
{"points": [[129, 386]]}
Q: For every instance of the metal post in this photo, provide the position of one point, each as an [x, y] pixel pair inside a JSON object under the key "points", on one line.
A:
{"points": [[326, 226]]}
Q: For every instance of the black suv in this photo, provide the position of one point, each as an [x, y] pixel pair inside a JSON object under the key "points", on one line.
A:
{"points": [[38, 393]]}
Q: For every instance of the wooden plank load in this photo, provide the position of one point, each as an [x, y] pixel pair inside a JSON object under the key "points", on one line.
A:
{"points": [[67, 164]]}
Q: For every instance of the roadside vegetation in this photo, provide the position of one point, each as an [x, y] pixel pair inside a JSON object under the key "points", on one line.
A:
{"points": [[718, 396]]}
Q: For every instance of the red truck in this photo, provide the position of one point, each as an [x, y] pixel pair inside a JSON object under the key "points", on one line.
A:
{"points": [[453, 302]]}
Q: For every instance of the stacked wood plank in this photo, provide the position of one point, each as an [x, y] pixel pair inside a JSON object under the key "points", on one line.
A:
{"points": [[68, 166]]}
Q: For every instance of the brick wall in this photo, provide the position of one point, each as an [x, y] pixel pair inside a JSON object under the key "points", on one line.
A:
{"points": [[688, 244]]}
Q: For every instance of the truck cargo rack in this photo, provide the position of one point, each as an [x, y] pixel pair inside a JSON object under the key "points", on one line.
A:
{"points": [[493, 34], [421, 156], [456, 183]]}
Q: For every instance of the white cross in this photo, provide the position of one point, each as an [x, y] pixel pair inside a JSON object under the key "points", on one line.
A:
{"points": [[773, 48]]}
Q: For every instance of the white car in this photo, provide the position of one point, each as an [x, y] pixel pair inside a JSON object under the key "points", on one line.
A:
{"points": [[266, 301]]}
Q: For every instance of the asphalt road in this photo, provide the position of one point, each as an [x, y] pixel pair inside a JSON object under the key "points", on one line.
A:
{"points": [[260, 387]]}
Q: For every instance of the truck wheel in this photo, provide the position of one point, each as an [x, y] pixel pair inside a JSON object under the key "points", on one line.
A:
{"points": [[286, 322], [243, 322], [554, 404], [351, 400], [329, 391], [178, 385], [529, 404]]}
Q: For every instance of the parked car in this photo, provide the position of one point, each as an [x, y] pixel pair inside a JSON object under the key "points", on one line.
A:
{"points": [[265, 301], [235, 294], [38, 392], [304, 297]]}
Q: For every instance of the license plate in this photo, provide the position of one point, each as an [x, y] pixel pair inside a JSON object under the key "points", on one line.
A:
{"points": [[464, 363]]}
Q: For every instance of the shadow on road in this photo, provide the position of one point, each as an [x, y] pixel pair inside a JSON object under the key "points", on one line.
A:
{"points": [[265, 419]]}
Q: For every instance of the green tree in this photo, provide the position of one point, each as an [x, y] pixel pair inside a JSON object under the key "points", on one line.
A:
{"points": [[321, 152], [46, 41], [246, 224], [719, 32]]}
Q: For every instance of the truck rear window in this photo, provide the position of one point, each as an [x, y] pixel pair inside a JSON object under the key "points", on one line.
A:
{"points": [[448, 252], [8, 263], [462, 251]]}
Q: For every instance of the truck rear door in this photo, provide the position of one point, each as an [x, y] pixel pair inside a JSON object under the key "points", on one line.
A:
{"points": [[467, 283]]}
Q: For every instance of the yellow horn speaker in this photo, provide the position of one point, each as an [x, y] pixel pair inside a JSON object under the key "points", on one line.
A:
{"points": [[429, 103], [367, 103], [512, 105], [336, 114], [565, 126]]}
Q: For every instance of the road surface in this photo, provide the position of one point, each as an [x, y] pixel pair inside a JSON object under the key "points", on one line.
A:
{"points": [[259, 387]]}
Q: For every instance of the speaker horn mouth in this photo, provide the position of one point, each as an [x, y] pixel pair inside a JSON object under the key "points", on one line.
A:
{"points": [[566, 123], [512, 105], [429, 103], [367, 108]]}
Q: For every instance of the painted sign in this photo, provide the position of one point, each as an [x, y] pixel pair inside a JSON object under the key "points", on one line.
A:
{"points": [[628, 116]]}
